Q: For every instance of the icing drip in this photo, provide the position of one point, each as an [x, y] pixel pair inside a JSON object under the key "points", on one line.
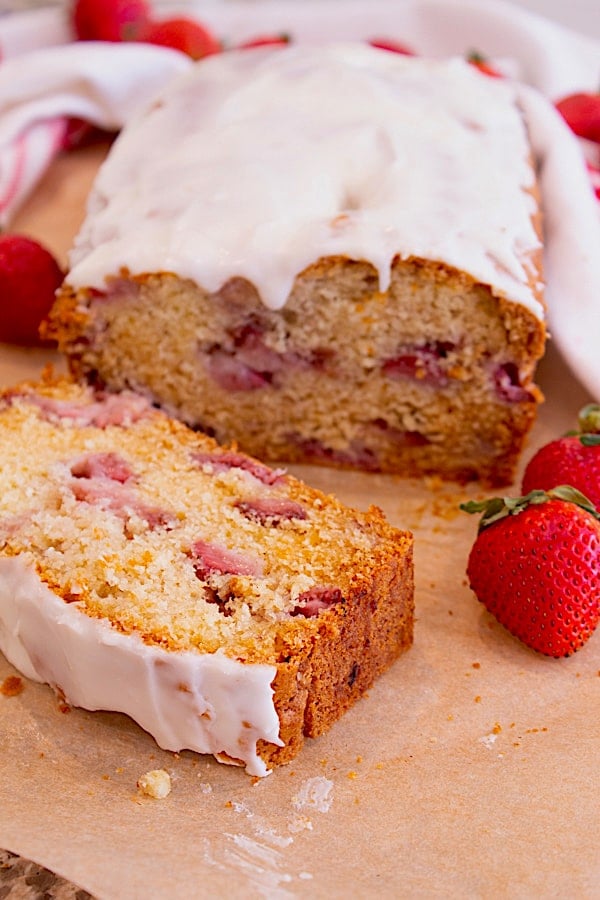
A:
{"points": [[203, 702], [256, 164]]}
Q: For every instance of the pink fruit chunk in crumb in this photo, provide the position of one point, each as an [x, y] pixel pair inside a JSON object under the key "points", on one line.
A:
{"points": [[103, 465], [315, 600], [245, 361], [214, 559], [110, 409], [271, 510], [232, 374], [399, 437], [249, 363], [422, 362], [357, 456], [508, 385], [230, 459], [114, 496], [119, 290]]}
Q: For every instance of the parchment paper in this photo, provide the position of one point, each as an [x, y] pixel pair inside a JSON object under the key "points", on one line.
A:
{"points": [[471, 769]]}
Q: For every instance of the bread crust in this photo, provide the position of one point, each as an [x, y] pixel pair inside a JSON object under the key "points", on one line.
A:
{"points": [[353, 645]]}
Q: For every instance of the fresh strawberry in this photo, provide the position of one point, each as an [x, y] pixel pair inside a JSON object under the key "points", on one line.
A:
{"points": [[109, 20], [573, 459], [391, 45], [594, 173], [481, 62], [535, 565], [581, 112], [265, 40], [29, 278], [182, 34], [80, 133]]}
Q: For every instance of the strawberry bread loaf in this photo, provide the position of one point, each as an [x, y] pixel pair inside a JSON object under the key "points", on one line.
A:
{"points": [[327, 254], [223, 605]]}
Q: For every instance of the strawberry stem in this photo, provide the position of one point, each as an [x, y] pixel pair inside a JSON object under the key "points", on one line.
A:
{"points": [[496, 508], [474, 56], [589, 420]]}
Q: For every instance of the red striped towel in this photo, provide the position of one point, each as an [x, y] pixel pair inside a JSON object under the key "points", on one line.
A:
{"points": [[100, 83]]}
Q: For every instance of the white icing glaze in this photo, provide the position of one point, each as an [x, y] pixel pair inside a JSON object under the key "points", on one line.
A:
{"points": [[202, 702], [256, 164]]}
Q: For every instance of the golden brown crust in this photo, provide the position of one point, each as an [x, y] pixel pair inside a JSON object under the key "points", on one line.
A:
{"points": [[353, 645]]}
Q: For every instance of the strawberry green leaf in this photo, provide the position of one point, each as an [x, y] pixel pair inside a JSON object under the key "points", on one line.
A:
{"points": [[572, 495], [496, 508], [589, 419]]}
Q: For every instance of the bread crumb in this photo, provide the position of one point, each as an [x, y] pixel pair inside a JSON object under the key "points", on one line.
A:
{"points": [[12, 686], [156, 784], [300, 823], [63, 705]]}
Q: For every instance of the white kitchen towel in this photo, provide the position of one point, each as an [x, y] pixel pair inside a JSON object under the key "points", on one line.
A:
{"points": [[98, 82]]}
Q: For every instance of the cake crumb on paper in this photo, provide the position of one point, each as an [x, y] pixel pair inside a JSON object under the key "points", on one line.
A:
{"points": [[300, 823], [156, 784], [12, 686]]}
